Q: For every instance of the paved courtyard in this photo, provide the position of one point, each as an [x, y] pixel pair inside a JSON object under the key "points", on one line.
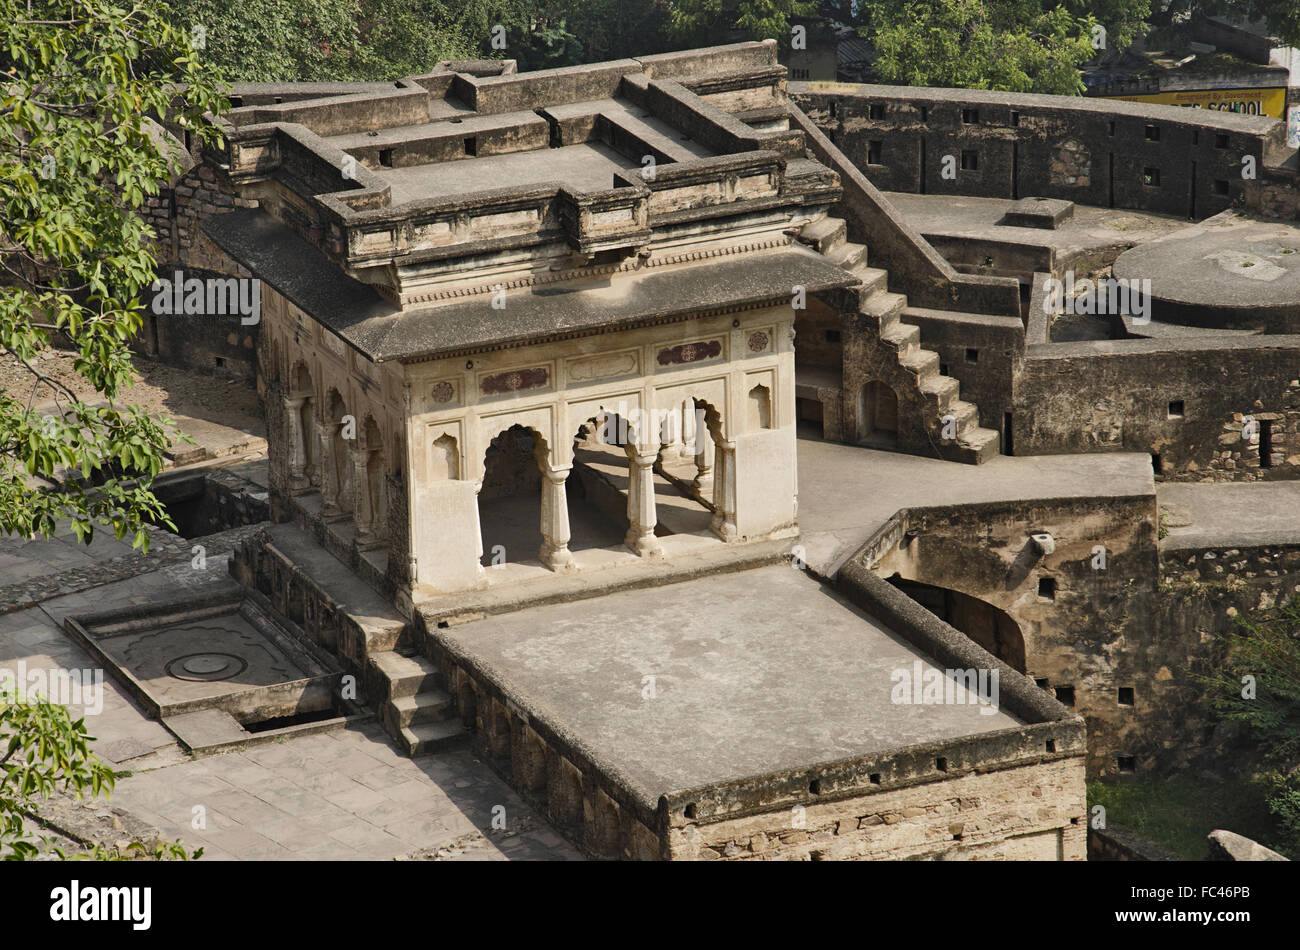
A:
{"points": [[342, 795]]}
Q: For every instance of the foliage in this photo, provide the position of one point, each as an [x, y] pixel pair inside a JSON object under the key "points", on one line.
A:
{"points": [[706, 22], [1179, 812], [43, 751], [77, 160], [1257, 685], [1012, 46], [340, 40]]}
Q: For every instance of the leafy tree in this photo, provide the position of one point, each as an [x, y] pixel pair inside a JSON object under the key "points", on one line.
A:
{"points": [[1257, 684], [43, 751], [706, 22], [1015, 46], [1281, 16], [78, 79], [340, 40]]}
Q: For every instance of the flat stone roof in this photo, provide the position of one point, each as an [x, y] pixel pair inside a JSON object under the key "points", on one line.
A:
{"points": [[1089, 231], [1230, 261], [1229, 515], [586, 167], [301, 272], [755, 672], [840, 509]]}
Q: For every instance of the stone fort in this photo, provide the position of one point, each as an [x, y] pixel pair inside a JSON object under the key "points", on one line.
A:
{"points": [[639, 422]]}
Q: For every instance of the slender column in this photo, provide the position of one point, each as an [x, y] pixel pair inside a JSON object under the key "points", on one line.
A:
{"points": [[362, 512], [704, 457], [672, 431], [641, 506], [329, 476], [555, 552], [724, 492], [298, 480]]}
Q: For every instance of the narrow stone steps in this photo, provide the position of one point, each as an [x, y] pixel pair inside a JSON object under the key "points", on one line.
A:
{"points": [[972, 444]]}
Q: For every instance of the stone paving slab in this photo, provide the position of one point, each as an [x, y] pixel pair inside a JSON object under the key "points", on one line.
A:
{"points": [[343, 795]]}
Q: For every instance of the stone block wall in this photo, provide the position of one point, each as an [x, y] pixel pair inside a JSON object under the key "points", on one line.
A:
{"points": [[1012, 145], [1024, 813], [219, 344], [1184, 404]]}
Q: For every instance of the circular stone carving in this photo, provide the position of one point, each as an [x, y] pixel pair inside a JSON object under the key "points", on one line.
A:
{"points": [[758, 342], [442, 392], [206, 667]]}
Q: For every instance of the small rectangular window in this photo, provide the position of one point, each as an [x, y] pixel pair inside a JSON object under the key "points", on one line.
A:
{"points": [[970, 160], [832, 336], [876, 111], [1126, 696], [972, 355], [1221, 140], [1065, 695], [970, 116], [386, 157], [1126, 763], [1015, 117], [1220, 186], [471, 146], [1153, 133], [1176, 409], [1047, 588], [1151, 177], [875, 149]]}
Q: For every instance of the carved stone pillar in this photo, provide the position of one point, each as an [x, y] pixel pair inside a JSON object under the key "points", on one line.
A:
{"points": [[298, 480], [362, 511], [724, 492], [555, 552], [641, 506], [704, 456], [329, 476]]}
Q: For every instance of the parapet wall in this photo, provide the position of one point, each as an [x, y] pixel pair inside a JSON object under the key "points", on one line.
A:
{"points": [[1103, 153]]}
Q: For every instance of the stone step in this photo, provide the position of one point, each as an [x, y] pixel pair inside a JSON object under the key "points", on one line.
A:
{"points": [[884, 307], [923, 363], [965, 414], [433, 737], [824, 234], [407, 675], [904, 336], [433, 705], [874, 280], [848, 255], [980, 443], [944, 389]]}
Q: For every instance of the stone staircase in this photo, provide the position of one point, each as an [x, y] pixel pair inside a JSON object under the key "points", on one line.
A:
{"points": [[416, 709], [941, 394], [340, 612]]}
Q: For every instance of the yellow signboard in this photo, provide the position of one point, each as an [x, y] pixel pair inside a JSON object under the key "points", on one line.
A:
{"points": [[1266, 102]]}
